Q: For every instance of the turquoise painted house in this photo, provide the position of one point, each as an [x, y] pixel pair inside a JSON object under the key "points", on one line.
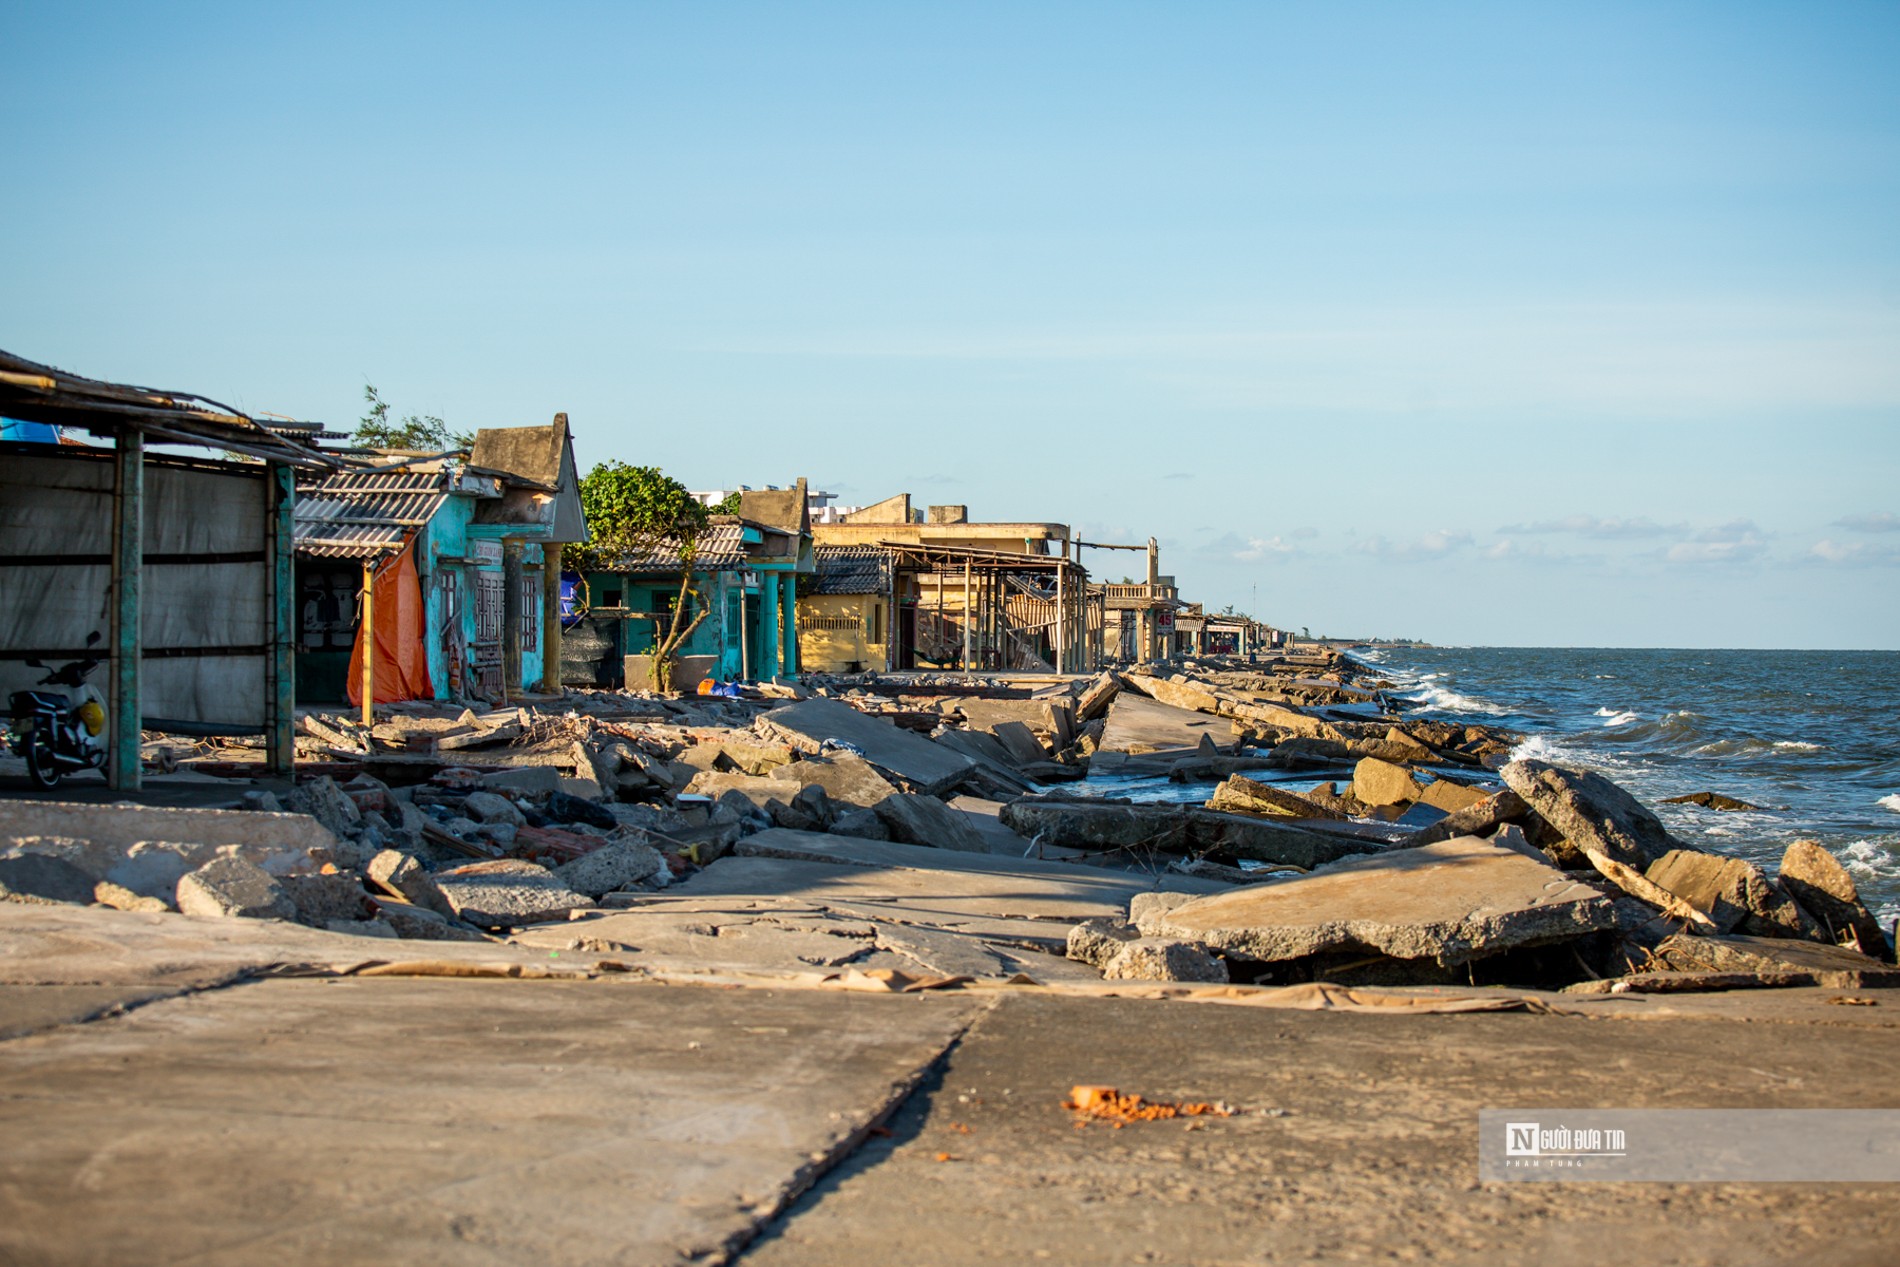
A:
{"points": [[482, 535], [746, 573]]}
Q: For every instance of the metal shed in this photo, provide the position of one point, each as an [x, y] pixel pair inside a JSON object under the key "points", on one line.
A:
{"points": [[186, 560]]}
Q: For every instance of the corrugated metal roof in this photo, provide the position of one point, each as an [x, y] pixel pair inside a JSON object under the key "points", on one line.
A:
{"points": [[852, 570], [355, 515], [721, 547]]}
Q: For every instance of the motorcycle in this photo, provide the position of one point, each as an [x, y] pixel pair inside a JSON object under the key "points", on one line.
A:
{"points": [[52, 731]]}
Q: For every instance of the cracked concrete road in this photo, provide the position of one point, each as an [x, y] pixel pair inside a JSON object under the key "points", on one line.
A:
{"points": [[1358, 1144], [438, 1121]]}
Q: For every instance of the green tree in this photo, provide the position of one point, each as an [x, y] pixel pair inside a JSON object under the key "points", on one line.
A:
{"points": [[426, 432], [633, 511]]}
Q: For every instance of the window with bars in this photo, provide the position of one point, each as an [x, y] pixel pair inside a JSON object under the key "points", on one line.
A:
{"points": [[530, 613], [490, 588]]}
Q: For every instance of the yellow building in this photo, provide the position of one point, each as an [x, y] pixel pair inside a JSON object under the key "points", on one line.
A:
{"points": [[898, 589]]}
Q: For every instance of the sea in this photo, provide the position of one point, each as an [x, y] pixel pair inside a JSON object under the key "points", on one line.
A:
{"points": [[1812, 737]]}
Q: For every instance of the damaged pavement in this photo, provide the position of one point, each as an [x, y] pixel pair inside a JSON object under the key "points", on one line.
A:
{"points": [[712, 948]]}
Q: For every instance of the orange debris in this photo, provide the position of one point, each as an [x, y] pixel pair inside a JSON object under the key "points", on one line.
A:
{"points": [[1110, 1105]]}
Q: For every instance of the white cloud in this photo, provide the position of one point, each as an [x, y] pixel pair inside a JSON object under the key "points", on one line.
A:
{"points": [[1602, 529], [1855, 553], [1882, 521], [1433, 545], [1738, 541]]}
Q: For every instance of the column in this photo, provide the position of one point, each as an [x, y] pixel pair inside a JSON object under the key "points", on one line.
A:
{"points": [[551, 617], [769, 643], [511, 614], [280, 503], [128, 644], [366, 636], [789, 625]]}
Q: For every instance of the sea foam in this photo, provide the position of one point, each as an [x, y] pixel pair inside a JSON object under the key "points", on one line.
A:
{"points": [[1890, 802]]}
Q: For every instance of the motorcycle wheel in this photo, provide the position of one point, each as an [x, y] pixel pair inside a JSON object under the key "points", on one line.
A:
{"points": [[41, 766]]}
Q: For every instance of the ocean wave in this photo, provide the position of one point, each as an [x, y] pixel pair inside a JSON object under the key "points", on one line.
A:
{"points": [[1450, 701], [1797, 745], [1875, 865], [1611, 717], [1890, 802]]}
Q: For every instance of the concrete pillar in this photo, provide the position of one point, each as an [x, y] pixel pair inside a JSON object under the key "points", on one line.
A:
{"points": [[511, 615], [770, 648], [123, 770], [551, 617], [789, 625]]}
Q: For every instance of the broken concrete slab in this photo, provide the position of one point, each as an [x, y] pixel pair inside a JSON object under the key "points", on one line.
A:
{"points": [[416, 923], [492, 807], [924, 820], [1241, 795], [1377, 782], [39, 878], [1021, 743], [320, 900], [810, 724], [1140, 726], [227, 888], [279, 843], [1096, 941], [1095, 698], [1451, 902], [1452, 797], [1594, 815], [1779, 961], [1023, 900], [985, 819], [846, 779], [1732, 892], [759, 791], [1816, 880], [1098, 827], [996, 771], [324, 801], [1478, 819], [402, 876], [506, 893], [1163, 959], [620, 864]]}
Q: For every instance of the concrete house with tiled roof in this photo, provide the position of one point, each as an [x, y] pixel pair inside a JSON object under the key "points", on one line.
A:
{"points": [[745, 572], [466, 549]]}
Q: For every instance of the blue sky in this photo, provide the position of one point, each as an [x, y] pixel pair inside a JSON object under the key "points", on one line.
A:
{"points": [[1510, 324]]}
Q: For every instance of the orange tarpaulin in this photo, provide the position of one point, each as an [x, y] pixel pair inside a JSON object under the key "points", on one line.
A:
{"points": [[402, 662]]}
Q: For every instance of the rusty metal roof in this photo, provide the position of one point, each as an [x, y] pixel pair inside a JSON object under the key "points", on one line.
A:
{"points": [[357, 515]]}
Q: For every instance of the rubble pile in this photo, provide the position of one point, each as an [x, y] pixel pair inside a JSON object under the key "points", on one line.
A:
{"points": [[932, 825]]}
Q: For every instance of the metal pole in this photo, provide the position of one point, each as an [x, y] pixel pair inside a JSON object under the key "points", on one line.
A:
{"points": [[366, 633], [969, 629], [280, 503], [124, 772], [1062, 611]]}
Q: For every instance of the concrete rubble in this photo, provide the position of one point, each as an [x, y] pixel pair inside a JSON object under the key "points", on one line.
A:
{"points": [[1341, 840]]}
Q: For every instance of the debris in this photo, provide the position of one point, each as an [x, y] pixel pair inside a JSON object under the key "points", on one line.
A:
{"points": [[1107, 1104], [1733, 893], [617, 865], [1594, 814], [1163, 959], [227, 888], [506, 893], [927, 767], [1776, 961], [39, 878], [1448, 903], [1242, 795], [925, 820], [1814, 878]]}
